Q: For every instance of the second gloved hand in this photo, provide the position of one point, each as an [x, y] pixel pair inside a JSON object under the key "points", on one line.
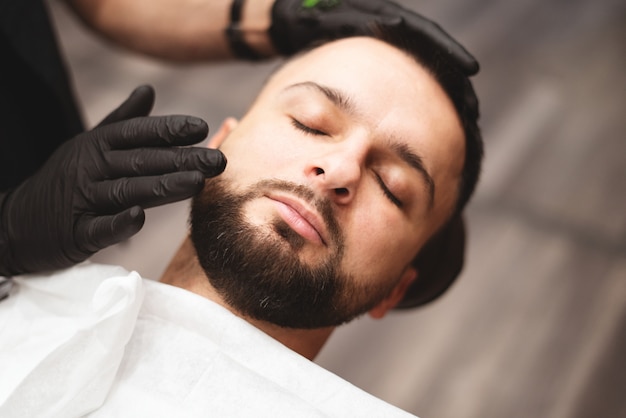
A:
{"points": [[92, 191]]}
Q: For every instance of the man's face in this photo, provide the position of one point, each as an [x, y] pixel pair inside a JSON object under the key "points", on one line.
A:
{"points": [[345, 165]]}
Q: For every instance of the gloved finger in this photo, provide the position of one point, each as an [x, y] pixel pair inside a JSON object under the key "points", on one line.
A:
{"points": [[100, 232], [111, 196], [443, 41], [139, 103], [154, 161], [424, 27], [154, 131]]}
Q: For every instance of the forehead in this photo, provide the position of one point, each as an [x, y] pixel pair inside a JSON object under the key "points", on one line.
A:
{"points": [[380, 77], [384, 82]]}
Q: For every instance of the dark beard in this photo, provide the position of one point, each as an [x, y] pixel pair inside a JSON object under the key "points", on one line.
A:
{"points": [[257, 270]]}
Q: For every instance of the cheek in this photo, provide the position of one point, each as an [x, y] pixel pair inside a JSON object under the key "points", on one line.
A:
{"points": [[378, 244], [253, 154], [261, 147]]}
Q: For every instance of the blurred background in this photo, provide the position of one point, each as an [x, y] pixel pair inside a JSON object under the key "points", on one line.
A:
{"points": [[536, 324]]}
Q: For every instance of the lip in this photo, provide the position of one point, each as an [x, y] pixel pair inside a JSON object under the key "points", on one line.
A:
{"points": [[300, 217]]}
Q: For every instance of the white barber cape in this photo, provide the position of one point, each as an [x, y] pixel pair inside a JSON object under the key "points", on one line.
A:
{"points": [[99, 341]]}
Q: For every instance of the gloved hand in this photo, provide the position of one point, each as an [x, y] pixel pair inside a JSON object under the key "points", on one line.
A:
{"points": [[297, 23], [92, 190]]}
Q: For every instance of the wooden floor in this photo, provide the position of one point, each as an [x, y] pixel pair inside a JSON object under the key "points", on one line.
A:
{"points": [[536, 326]]}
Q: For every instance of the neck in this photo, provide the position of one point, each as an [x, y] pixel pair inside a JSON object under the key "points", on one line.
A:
{"points": [[184, 271]]}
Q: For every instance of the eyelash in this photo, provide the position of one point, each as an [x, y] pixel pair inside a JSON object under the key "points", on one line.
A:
{"points": [[302, 127], [387, 192], [310, 131]]}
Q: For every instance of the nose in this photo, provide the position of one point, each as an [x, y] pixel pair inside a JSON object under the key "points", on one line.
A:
{"points": [[336, 171]]}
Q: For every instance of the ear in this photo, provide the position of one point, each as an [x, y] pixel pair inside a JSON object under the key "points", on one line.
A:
{"points": [[225, 128], [396, 295]]}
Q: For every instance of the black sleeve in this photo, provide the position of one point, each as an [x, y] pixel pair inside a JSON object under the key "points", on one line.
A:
{"points": [[37, 107]]}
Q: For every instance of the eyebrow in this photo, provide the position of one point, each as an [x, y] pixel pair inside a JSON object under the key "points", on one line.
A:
{"points": [[344, 103], [335, 96], [415, 161]]}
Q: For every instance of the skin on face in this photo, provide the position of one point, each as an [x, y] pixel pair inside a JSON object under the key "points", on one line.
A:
{"points": [[382, 142]]}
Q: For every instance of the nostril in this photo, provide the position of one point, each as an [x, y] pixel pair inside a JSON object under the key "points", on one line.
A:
{"points": [[318, 171], [342, 191]]}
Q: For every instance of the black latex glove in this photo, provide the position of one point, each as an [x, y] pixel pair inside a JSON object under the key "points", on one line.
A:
{"points": [[298, 23], [92, 191]]}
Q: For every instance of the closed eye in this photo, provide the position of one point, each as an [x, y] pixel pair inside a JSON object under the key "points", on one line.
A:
{"points": [[387, 192], [306, 129]]}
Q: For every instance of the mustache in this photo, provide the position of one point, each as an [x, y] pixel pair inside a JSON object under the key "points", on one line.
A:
{"points": [[323, 205]]}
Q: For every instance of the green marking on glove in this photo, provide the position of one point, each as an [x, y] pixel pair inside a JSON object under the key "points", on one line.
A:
{"points": [[322, 4]]}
